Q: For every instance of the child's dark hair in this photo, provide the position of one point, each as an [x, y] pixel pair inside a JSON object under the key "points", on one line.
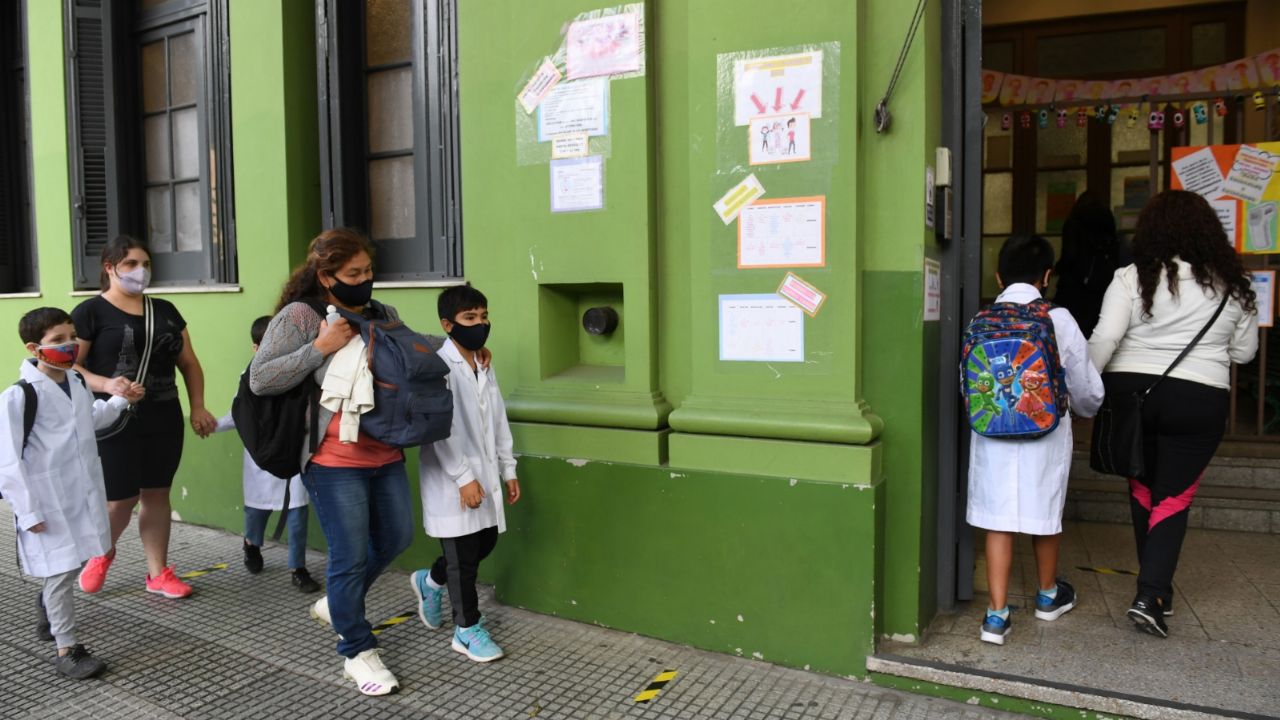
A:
{"points": [[259, 328], [33, 325], [114, 251], [1025, 259], [458, 299]]}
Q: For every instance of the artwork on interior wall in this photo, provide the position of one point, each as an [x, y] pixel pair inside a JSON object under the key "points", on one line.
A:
{"points": [[779, 139]]}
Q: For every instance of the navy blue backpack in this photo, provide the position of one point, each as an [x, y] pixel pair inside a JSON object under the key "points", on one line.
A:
{"points": [[412, 404]]}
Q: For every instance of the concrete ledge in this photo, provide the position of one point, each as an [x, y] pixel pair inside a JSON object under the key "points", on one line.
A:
{"points": [[1046, 691], [854, 465]]}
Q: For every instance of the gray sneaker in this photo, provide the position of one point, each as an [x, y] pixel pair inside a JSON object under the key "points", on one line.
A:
{"points": [[44, 630], [78, 664]]}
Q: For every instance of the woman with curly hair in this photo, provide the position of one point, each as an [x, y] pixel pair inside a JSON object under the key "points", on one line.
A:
{"points": [[1183, 270]]}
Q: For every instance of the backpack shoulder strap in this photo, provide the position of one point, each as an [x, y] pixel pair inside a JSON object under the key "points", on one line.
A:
{"points": [[75, 374], [29, 405]]}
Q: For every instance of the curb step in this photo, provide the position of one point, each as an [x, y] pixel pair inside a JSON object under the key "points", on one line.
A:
{"points": [[1045, 691]]}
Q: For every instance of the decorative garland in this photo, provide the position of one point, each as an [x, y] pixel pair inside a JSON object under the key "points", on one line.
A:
{"points": [[1106, 99]]}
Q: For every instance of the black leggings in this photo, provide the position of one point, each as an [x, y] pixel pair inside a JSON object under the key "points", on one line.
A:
{"points": [[1182, 422], [459, 566]]}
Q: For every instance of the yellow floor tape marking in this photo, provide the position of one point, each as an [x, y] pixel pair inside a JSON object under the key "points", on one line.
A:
{"points": [[1105, 571], [655, 686], [388, 624], [206, 571]]}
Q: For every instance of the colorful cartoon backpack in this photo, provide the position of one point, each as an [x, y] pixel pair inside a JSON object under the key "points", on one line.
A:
{"points": [[1011, 377]]}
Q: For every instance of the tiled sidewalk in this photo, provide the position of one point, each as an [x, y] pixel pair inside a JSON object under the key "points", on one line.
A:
{"points": [[244, 647]]}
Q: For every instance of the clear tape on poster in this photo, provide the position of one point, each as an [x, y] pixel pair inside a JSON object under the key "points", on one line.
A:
{"points": [[762, 229], [777, 107], [566, 94]]}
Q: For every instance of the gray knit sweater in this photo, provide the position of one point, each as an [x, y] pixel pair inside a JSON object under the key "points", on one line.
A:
{"points": [[286, 355]]}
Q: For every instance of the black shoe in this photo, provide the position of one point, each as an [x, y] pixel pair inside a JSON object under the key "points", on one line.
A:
{"points": [[252, 558], [302, 580], [1166, 604], [78, 664], [1147, 614], [44, 630]]}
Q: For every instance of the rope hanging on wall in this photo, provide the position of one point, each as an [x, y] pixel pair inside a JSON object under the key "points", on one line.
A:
{"points": [[883, 117]]}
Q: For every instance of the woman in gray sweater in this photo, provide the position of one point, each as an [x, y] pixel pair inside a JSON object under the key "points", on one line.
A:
{"points": [[359, 490]]}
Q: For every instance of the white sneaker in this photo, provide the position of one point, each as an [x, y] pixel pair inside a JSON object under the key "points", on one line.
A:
{"points": [[369, 674], [320, 611]]}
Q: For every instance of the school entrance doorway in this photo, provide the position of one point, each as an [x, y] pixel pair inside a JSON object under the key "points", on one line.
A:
{"points": [[1064, 119]]}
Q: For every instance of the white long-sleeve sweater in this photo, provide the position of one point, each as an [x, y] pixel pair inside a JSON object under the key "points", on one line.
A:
{"points": [[1127, 341]]}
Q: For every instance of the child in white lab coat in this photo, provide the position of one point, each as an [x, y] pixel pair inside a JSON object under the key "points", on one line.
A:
{"points": [[462, 478], [52, 478], [264, 493], [1020, 486]]}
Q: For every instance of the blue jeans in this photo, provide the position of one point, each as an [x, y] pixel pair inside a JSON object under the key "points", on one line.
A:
{"points": [[367, 518], [255, 528]]}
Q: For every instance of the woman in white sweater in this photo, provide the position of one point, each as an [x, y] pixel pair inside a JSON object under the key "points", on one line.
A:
{"points": [[1183, 268]]}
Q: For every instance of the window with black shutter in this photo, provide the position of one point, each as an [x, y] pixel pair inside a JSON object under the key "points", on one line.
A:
{"points": [[389, 131], [17, 239], [150, 135]]}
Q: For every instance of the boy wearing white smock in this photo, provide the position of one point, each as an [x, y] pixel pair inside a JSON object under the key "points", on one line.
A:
{"points": [[1020, 485], [52, 478], [462, 478], [264, 493]]}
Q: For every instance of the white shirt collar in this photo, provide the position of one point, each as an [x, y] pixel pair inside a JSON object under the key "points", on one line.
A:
{"points": [[1019, 292]]}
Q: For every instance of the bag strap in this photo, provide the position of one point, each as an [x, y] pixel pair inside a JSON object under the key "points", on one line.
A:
{"points": [[1191, 345], [149, 330], [31, 401]]}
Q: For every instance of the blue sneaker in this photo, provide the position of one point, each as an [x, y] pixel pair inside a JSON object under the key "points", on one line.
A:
{"points": [[429, 599], [1052, 608], [995, 628], [475, 643]]}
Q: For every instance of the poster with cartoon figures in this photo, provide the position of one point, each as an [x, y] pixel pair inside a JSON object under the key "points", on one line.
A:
{"points": [[776, 85], [779, 139], [1008, 388], [1242, 183]]}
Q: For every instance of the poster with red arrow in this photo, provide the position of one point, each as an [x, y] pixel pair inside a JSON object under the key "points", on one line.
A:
{"points": [[777, 84]]}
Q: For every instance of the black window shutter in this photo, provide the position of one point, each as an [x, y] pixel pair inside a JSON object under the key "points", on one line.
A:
{"points": [[95, 186]]}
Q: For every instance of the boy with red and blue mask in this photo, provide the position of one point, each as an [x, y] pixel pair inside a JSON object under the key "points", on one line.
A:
{"points": [[50, 474]]}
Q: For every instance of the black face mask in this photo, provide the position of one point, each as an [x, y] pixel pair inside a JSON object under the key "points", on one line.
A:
{"points": [[354, 296], [471, 337]]}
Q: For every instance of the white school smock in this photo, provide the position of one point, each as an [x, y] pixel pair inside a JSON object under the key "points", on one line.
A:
{"points": [[58, 480], [262, 490], [1021, 485], [478, 448]]}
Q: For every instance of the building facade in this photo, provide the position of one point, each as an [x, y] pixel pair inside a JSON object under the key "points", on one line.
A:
{"points": [[783, 507]]}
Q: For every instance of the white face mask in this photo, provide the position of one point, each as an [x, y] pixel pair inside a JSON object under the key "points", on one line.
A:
{"points": [[134, 281]]}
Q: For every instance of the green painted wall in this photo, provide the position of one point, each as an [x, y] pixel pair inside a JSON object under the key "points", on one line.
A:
{"points": [[900, 349], [756, 566], [652, 503]]}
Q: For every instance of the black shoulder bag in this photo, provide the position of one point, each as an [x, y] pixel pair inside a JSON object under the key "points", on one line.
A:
{"points": [[1117, 429], [144, 365]]}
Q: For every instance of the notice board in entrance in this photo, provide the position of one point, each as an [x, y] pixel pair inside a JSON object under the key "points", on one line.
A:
{"points": [[1242, 183]]}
